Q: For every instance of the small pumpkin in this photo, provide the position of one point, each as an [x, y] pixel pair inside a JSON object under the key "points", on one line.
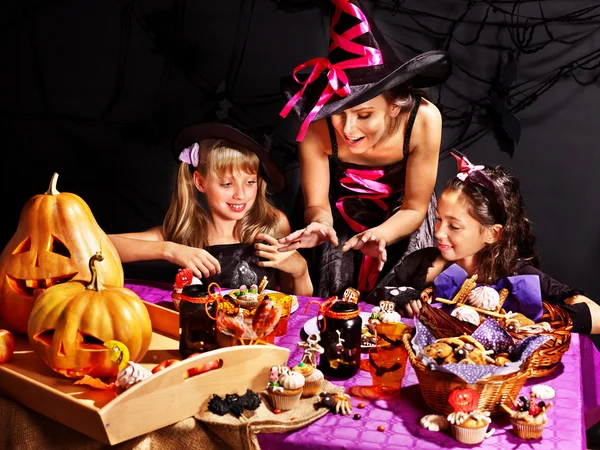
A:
{"points": [[464, 400], [56, 236], [70, 323]]}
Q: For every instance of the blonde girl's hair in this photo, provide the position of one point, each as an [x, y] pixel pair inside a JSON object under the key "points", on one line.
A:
{"points": [[187, 220]]}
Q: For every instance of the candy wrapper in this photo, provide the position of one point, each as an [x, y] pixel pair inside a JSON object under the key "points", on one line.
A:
{"points": [[493, 337]]}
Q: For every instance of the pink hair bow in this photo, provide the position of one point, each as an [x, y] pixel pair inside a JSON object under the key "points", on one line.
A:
{"points": [[465, 167], [190, 155]]}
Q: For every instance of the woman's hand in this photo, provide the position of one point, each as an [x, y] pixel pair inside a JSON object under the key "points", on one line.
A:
{"points": [[285, 261], [314, 234], [370, 244], [198, 260]]}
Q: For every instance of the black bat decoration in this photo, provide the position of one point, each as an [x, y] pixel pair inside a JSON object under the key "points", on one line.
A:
{"points": [[233, 403]]}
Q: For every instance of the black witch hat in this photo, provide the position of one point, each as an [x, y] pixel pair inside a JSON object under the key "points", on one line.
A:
{"points": [[360, 65], [256, 142]]}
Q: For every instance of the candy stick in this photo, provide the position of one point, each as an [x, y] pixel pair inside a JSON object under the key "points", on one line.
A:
{"points": [[468, 285], [503, 296], [508, 410], [483, 311], [512, 399]]}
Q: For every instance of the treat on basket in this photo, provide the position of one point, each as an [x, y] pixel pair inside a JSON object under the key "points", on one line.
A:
{"points": [[469, 425], [467, 314], [284, 388], [488, 351], [529, 418], [484, 297]]}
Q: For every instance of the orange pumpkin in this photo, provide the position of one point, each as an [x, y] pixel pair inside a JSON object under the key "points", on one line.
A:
{"points": [[70, 322], [56, 236]]}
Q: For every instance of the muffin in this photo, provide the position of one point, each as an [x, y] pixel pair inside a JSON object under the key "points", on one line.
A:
{"points": [[313, 379], [526, 426], [284, 393], [471, 427]]}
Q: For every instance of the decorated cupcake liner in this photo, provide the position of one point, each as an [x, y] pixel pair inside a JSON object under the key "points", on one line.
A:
{"points": [[284, 402], [527, 431], [312, 388], [469, 435]]}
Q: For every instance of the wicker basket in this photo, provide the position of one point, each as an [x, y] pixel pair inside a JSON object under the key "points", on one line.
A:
{"points": [[493, 391], [543, 361]]}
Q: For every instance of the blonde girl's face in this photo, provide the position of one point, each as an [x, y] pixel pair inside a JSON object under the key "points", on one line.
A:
{"points": [[460, 236], [365, 125], [229, 195]]}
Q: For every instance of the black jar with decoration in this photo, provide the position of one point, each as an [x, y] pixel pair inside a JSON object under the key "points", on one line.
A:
{"points": [[197, 320], [340, 328]]}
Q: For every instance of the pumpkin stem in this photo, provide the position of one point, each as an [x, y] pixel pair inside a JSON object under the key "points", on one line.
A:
{"points": [[52, 188], [94, 284]]}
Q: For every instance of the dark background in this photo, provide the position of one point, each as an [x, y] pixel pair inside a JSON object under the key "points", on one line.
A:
{"points": [[97, 91]]}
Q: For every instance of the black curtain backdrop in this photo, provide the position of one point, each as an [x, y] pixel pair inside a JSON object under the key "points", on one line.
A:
{"points": [[97, 91]]}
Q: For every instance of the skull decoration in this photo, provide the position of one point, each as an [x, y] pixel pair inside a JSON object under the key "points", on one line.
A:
{"points": [[70, 322], [56, 236]]}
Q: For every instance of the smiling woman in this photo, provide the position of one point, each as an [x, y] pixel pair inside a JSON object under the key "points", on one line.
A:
{"points": [[220, 223], [369, 154]]}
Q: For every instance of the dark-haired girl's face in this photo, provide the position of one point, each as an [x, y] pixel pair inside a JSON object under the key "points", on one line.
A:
{"points": [[460, 236]]}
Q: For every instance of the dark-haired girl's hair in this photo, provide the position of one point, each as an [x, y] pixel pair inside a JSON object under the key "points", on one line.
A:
{"points": [[517, 241]]}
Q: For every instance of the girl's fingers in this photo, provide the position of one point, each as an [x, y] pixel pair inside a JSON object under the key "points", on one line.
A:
{"points": [[267, 255], [294, 246], [266, 263], [266, 237], [266, 248]]}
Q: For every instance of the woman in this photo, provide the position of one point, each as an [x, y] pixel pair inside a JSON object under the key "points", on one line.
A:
{"points": [[368, 155]]}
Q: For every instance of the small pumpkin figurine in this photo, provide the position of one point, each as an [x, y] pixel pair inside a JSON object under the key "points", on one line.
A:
{"points": [[464, 400], [56, 236], [70, 323]]}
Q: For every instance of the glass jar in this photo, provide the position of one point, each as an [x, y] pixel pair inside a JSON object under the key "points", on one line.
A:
{"points": [[340, 329], [197, 313]]}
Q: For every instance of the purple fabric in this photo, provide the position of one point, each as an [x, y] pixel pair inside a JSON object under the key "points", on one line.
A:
{"points": [[525, 291], [400, 415]]}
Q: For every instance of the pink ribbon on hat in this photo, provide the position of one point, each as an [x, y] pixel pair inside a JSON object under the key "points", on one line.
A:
{"points": [[465, 167], [190, 155], [337, 80]]}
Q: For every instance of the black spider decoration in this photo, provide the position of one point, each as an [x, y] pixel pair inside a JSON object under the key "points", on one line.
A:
{"points": [[233, 403]]}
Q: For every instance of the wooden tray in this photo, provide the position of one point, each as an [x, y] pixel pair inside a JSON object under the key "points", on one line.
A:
{"points": [[161, 400]]}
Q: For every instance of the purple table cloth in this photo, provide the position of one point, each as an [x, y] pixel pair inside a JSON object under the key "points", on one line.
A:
{"points": [[400, 415]]}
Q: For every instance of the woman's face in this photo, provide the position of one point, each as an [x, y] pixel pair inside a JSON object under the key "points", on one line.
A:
{"points": [[460, 236], [229, 196], [364, 125]]}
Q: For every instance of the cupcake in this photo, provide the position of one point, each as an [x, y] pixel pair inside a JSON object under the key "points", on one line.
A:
{"points": [[529, 418], [313, 379], [285, 388], [468, 424], [247, 298]]}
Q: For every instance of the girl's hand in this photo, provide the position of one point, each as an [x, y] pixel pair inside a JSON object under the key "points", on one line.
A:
{"points": [[370, 244], [413, 308], [285, 261], [198, 260], [311, 236]]}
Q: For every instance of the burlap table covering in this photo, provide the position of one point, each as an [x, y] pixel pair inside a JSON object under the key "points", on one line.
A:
{"points": [[240, 434], [24, 429]]}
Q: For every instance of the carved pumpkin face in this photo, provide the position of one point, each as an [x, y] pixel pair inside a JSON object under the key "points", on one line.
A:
{"points": [[56, 236], [70, 322], [464, 400]]}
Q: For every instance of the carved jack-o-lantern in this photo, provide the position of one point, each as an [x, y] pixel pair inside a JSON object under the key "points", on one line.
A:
{"points": [[56, 236], [70, 322]]}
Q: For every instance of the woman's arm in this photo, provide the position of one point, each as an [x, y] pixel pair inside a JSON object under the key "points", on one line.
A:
{"points": [[151, 245], [421, 173], [314, 179], [291, 265]]}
